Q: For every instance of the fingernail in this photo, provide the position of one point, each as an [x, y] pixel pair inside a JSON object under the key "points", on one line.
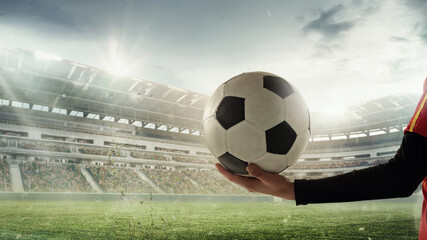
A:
{"points": [[250, 168]]}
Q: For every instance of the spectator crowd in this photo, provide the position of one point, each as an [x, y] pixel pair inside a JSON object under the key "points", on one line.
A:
{"points": [[213, 182], [44, 146], [111, 152], [119, 179], [173, 181], [5, 178], [189, 159], [40, 176], [53, 177], [148, 156], [338, 164]]}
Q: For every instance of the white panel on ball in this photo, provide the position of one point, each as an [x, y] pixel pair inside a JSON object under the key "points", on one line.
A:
{"points": [[267, 74], [272, 162], [296, 113], [244, 84], [298, 148], [246, 141], [213, 102], [264, 109], [297, 91], [215, 136]]}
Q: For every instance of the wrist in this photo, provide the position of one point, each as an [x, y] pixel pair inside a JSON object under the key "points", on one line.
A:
{"points": [[288, 191], [291, 192]]}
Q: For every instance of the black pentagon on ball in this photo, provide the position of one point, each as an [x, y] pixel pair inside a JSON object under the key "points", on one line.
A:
{"points": [[280, 138], [230, 111], [278, 85], [233, 164]]}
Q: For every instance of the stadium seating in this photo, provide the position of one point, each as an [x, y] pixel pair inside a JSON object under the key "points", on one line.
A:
{"points": [[5, 178], [192, 181], [13, 133], [112, 152], [355, 144], [118, 179], [44, 146], [174, 181], [213, 182], [338, 164], [53, 177], [73, 128], [147, 155], [65, 177], [189, 159]]}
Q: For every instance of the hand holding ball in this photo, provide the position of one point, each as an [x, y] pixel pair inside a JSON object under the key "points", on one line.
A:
{"points": [[259, 118]]}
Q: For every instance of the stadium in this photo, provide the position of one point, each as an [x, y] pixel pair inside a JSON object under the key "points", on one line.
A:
{"points": [[80, 142]]}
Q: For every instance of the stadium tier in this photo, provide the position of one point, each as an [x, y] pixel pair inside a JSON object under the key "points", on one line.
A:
{"points": [[120, 179], [53, 177], [68, 127], [5, 179]]}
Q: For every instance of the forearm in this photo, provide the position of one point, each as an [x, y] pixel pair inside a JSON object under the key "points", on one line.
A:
{"points": [[397, 178], [371, 183]]}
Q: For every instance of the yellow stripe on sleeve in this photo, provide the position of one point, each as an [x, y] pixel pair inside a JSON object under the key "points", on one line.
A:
{"points": [[417, 114]]}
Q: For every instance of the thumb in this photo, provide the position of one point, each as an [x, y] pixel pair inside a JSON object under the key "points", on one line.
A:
{"points": [[258, 173]]}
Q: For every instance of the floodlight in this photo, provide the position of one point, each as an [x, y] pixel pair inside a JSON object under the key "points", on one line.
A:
{"points": [[116, 69], [46, 56], [417, 91], [335, 111]]}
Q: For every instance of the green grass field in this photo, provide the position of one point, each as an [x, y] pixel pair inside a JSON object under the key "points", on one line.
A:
{"points": [[208, 220]]}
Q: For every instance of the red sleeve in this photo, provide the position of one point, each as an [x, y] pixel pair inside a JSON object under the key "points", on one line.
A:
{"points": [[418, 123]]}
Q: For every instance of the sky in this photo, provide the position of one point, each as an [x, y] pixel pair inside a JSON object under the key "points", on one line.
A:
{"points": [[337, 53]]}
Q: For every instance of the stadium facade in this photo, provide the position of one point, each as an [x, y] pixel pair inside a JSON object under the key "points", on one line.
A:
{"points": [[68, 127]]}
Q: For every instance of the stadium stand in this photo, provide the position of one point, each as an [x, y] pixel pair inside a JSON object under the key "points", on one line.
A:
{"points": [[5, 178], [102, 151], [173, 181], [3, 143], [351, 144], [213, 182], [339, 164], [120, 179], [189, 159], [76, 114], [53, 177], [148, 155], [44, 146], [13, 133]]}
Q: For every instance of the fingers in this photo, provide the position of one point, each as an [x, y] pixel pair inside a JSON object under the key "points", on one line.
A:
{"points": [[230, 176], [246, 182], [260, 174], [262, 181]]}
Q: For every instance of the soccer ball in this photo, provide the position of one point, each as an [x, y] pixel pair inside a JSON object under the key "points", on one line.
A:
{"points": [[259, 118]]}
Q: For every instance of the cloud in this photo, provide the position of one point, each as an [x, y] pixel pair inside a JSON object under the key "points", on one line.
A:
{"points": [[336, 27], [41, 11], [417, 3], [398, 39], [298, 18], [421, 7], [328, 25]]}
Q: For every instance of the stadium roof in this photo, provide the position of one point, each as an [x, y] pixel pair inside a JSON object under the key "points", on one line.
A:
{"points": [[46, 80], [43, 79], [392, 111]]}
